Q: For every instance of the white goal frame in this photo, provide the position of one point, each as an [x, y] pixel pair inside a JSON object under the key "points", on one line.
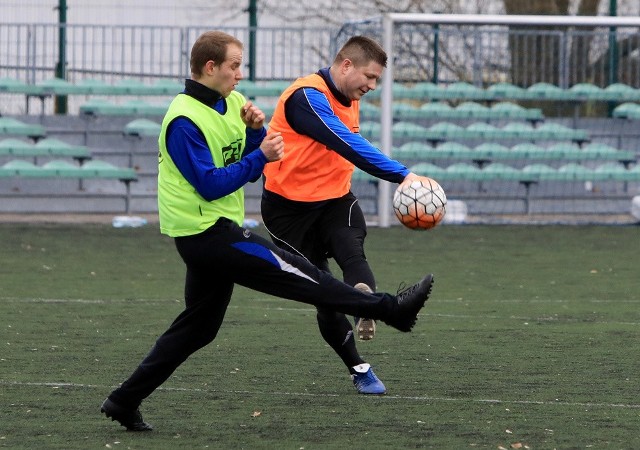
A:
{"points": [[389, 21]]}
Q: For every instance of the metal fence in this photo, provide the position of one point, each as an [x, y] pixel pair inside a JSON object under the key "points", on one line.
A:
{"points": [[485, 53], [30, 52], [482, 54]]}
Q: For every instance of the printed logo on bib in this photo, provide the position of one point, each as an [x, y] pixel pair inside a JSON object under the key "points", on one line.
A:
{"points": [[232, 152]]}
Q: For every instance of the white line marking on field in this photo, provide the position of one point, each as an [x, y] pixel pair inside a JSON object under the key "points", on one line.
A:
{"points": [[308, 394], [306, 309]]}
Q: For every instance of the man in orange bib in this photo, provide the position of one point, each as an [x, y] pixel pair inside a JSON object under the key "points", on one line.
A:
{"points": [[307, 203]]}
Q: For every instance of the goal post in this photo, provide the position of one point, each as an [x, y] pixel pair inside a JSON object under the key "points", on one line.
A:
{"points": [[390, 21]]}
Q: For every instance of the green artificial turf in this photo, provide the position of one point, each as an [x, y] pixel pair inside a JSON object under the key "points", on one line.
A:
{"points": [[529, 340]]}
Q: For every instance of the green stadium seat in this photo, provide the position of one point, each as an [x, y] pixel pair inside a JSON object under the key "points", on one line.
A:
{"points": [[168, 87], [20, 168], [554, 131], [463, 171], [15, 86], [539, 171], [627, 110], [103, 107], [142, 107], [508, 110], [586, 91], [404, 111], [453, 150], [99, 87], [491, 150], [445, 130], [528, 150], [463, 90], [484, 131], [614, 172], [142, 128], [471, 110], [252, 89], [413, 151], [634, 173], [571, 172], [13, 127], [426, 90], [370, 130], [500, 171], [56, 147], [15, 147], [401, 91], [58, 86], [596, 150], [369, 111], [505, 90], [408, 130], [622, 92], [566, 150], [103, 169], [546, 91], [59, 168], [436, 110], [129, 86], [429, 170]]}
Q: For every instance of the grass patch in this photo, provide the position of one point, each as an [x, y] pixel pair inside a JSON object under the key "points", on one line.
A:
{"points": [[529, 338]]}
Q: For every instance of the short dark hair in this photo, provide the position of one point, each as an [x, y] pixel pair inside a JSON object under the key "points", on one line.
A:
{"points": [[361, 50], [210, 46]]}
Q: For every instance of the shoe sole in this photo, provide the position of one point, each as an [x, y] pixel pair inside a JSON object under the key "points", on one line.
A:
{"points": [[366, 329]]}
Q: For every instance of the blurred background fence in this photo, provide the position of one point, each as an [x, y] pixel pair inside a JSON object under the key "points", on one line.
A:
{"points": [[105, 87], [482, 55]]}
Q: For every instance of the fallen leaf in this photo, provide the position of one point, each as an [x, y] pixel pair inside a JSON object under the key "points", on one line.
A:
{"points": [[256, 414]]}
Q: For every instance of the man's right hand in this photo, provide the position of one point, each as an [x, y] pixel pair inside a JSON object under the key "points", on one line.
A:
{"points": [[273, 147]]}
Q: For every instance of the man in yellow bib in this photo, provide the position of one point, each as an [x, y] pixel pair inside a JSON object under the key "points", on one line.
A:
{"points": [[212, 143]]}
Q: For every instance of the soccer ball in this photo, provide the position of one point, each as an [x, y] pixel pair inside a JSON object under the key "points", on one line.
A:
{"points": [[420, 204]]}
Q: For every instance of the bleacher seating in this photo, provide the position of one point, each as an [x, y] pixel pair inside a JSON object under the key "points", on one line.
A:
{"points": [[456, 133], [100, 106], [491, 151], [445, 131], [466, 110], [48, 147], [14, 127]]}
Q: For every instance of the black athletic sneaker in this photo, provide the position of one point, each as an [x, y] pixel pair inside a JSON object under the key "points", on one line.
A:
{"points": [[410, 302], [129, 418]]}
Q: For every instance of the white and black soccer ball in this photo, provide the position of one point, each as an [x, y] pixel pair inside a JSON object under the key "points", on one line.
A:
{"points": [[420, 204]]}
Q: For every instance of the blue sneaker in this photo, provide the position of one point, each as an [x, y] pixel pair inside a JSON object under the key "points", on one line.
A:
{"points": [[366, 382]]}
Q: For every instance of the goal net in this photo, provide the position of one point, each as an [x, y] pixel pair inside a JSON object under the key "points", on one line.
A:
{"points": [[522, 119]]}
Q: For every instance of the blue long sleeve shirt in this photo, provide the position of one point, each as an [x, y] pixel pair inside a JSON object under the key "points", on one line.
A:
{"points": [[191, 155]]}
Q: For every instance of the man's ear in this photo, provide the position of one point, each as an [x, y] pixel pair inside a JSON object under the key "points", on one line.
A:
{"points": [[209, 67], [346, 65]]}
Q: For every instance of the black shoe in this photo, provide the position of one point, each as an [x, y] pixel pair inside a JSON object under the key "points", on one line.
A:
{"points": [[129, 418], [410, 302]]}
